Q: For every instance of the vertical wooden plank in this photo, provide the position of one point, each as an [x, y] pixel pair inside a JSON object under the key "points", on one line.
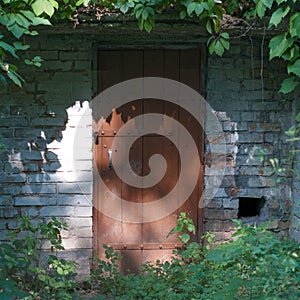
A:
{"points": [[189, 68]]}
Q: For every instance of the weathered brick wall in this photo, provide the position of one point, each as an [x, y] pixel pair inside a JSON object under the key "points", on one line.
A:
{"points": [[242, 87], [40, 175], [295, 213]]}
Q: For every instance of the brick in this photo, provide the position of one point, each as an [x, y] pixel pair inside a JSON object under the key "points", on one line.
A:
{"points": [[34, 201], [81, 243], [5, 200], [214, 203], [214, 214], [31, 167], [58, 211], [46, 178], [75, 200], [264, 127], [71, 55], [10, 189], [12, 178], [8, 212], [31, 155], [75, 188], [85, 232], [30, 211], [261, 182], [79, 222], [83, 211], [38, 189], [48, 121], [231, 203], [10, 122], [49, 55]]}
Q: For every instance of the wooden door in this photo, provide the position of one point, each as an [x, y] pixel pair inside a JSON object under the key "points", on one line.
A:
{"points": [[143, 241]]}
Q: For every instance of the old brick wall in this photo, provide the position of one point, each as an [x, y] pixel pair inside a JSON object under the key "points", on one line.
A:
{"points": [[41, 175], [242, 87], [295, 212]]}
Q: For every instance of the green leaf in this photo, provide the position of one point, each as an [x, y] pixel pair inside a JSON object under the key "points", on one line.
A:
{"points": [[15, 78], [288, 85], [10, 49], [211, 47], [279, 44], [225, 43], [16, 30], [20, 46], [278, 15], [260, 9], [40, 21], [295, 25], [184, 238], [280, 1], [43, 6], [225, 35], [148, 26], [145, 14], [294, 67], [208, 26], [268, 3], [219, 48], [182, 14], [191, 8], [199, 9]]}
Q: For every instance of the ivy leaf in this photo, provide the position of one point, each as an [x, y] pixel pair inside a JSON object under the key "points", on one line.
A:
{"points": [[182, 14], [184, 238], [211, 47], [10, 49], [15, 78], [219, 49], [225, 35], [288, 85], [295, 25], [145, 14], [208, 26], [268, 3], [260, 9], [191, 8], [20, 46], [43, 6], [199, 9], [278, 15], [294, 67], [279, 44], [148, 26], [16, 30], [225, 43]]}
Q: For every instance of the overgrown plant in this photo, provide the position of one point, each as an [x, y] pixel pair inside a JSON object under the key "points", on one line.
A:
{"points": [[255, 265], [28, 271], [19, 19]]}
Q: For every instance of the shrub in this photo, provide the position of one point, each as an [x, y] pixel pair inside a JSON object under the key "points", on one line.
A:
{"points": [[24, 274]]}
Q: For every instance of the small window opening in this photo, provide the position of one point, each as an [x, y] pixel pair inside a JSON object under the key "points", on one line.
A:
{"points": [[250, 207]]}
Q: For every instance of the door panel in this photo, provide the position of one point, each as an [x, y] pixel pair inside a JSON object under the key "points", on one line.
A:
{"points": [[145, 241]]}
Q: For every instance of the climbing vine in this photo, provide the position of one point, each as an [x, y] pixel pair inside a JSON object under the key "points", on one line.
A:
{"points": [[19, 18]]}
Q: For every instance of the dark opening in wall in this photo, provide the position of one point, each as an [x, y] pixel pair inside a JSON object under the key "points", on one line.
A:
{"points": [[250, 207]]}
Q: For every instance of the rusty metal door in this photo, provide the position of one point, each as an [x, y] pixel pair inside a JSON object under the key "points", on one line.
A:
{"points": [[143, 241]]}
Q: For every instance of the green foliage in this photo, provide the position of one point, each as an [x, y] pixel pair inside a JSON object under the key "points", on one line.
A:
{"points": [[18, 18], [24, 273], [255, 265], [184, 227], [285, 169]]}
